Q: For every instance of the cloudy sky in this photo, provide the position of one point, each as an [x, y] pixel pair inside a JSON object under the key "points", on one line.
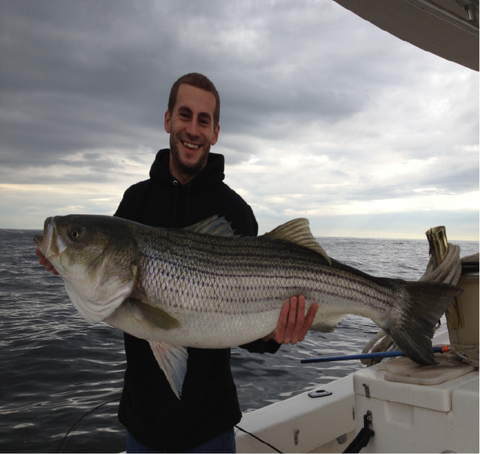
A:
{"points": [[323, 115]]}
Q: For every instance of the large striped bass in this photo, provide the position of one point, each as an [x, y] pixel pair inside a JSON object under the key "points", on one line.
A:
{"points": [[205, 287]]}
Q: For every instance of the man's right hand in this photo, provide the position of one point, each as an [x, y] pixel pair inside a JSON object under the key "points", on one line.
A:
{"points": [[44, 262]]}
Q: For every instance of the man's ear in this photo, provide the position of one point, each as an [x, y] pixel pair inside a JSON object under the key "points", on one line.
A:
{"points": [[167, 124], [215, 135]]}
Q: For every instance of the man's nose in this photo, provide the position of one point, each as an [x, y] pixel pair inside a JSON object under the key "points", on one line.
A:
{"points": [[192, 128]]}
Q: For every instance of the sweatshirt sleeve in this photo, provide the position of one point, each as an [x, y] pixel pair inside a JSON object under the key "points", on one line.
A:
{"points": [[125, 208], [132, 204], [121, 210]]}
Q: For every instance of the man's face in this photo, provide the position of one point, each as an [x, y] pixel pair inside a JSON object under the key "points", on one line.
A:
{"points": [[191, 130]]}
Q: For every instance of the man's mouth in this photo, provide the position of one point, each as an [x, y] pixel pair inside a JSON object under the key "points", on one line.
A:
{"points": [[191, 146]]}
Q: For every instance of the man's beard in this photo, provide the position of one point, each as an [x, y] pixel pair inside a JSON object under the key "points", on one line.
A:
{"points": [[193, 169]]}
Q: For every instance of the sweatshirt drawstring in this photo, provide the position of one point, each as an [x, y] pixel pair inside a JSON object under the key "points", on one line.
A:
{"points": [[188, 206], [175, 185]]}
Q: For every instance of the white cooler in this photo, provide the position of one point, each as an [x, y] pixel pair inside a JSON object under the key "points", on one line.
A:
{"points": [[419, 409]]}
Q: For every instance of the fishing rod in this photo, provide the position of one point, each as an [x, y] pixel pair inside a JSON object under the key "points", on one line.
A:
{"points": [[443, 349]]}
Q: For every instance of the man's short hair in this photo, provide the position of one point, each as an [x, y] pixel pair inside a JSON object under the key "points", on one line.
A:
{"points": [[199, 81]]}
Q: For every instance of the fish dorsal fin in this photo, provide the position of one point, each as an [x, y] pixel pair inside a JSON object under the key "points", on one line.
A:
{"points": [[328, 324], [214, 225], [297, 231]]}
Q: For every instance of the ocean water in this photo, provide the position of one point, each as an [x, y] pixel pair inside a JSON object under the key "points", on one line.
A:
{"points": [[60, 375]]}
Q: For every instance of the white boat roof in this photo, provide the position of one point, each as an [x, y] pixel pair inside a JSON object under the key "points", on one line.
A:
{"points": [[447, 28]]}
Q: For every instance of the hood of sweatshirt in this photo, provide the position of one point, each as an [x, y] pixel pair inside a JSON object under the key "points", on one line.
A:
{"points": [[212, 174]]}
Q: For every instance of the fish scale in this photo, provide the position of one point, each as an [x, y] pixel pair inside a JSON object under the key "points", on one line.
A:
{"points": [[247, 282]]}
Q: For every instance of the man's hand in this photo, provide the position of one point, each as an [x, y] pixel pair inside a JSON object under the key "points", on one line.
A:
{"points": [[292, 324], [44, 262]]}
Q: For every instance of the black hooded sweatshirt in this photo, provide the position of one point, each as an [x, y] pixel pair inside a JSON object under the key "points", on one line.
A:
{"points": [[209, 405]]}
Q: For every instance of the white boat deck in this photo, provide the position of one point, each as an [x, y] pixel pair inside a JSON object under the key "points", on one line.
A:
{"points": [[436, 417], [302, 423]]}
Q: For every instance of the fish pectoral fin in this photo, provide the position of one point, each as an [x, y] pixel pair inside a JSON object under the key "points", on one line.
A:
{"points": [[326, 325], [154, 316], [297, 231], [173, 362]]}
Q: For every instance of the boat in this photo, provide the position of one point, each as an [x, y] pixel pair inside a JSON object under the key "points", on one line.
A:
{"points": [[396, 405], [446, 28]]}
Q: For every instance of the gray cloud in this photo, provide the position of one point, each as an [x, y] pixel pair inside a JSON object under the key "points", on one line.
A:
{"points": [[84, 87]]}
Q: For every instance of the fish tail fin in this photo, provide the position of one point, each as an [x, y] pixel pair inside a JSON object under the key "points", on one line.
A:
{"points": [[423, 305]]}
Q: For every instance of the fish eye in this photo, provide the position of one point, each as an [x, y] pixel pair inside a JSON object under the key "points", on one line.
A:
{"points": [[74, 234]]}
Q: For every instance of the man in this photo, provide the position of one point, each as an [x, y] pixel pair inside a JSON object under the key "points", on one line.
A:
{"points": [[185, 187]]}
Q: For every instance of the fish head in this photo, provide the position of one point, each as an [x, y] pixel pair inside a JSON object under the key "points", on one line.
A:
{"points": [[97, 258]]}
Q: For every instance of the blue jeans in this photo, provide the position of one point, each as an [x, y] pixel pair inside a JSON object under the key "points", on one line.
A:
{"points": [[223, 443]]}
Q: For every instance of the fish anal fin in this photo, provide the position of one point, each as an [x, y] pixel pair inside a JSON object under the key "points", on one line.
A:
{"points": [[153, 315], [297, 231], [214, 225], [327, 325], [173, 362]]}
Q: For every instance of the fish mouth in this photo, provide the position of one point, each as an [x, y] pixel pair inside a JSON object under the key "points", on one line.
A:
{"points": [[44, 242], [38, 239]]}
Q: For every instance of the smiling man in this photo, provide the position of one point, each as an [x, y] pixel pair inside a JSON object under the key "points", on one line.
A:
{"points": [[185, 187]]}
